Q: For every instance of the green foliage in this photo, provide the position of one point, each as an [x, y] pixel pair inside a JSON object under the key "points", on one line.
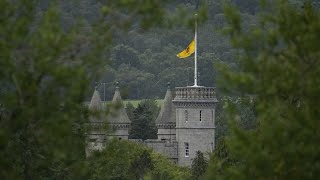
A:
{"points": [[141, 164], [199, 166], [42, 121], [149, 58], [119, 160], [50, 52], [129, 109], [243, 106], [220, 159], [129, 160], [278, 67], [164, 169], [143, 122]]}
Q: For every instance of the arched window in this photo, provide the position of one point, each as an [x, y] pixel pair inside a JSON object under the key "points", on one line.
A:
{"points": [[200, 115]]}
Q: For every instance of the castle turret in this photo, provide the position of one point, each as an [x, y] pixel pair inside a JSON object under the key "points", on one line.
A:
{"points": [[96, 133], [166, 120], [95, 106], [118, 120], [195, 121]]}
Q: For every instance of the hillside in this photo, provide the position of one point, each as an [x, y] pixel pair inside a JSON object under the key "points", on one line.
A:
{"points": [[144, 61]]}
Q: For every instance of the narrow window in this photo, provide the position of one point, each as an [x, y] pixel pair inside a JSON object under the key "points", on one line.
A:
{"points": [[186, 147], [186, 115], [200, 115], [212, 115]]}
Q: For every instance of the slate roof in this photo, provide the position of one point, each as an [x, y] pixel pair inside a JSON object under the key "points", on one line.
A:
{"points": [[95, 103], [167, 113], [120, 116], [96, 107]]}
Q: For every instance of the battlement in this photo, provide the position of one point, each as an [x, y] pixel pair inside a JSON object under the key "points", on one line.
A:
{"points": [[195, 93]]}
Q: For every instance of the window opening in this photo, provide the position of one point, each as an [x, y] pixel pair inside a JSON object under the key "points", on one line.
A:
{"points": [[186, 147], [186, 115], [212, 115]]}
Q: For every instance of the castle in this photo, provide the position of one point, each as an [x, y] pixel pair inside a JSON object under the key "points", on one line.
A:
{"points": [[186, 124]]}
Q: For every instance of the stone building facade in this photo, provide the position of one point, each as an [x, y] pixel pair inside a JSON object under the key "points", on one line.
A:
{"points": [[186, 124]]}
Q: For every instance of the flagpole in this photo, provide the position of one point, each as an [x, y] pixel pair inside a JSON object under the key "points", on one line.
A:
{"points": [[195, 54]]}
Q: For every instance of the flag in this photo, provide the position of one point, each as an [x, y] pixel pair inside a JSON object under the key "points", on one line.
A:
{"points": [[187, 52]]}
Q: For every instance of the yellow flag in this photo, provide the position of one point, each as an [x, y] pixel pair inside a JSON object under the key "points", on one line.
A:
{"points": [[187, 52]]}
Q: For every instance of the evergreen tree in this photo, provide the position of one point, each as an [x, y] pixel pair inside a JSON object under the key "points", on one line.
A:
{"points": [[130, 109], [199, 166], [143, 124], [120, 160], [141, 165], [46, 67], [279, 69], [128, 160]]}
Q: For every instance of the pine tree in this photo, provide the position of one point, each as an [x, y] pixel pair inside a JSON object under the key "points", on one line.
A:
{"points": [[199, 166], [143, 124], [46, 67], [279, 70]]}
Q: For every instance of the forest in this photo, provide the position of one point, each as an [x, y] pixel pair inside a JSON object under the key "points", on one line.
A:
{"points": [[143, 62], [262, 56]]}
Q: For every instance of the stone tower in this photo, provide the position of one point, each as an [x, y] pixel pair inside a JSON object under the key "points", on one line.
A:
{"points": [[95, 137], [166, 120], [195, 121], [118, 118]]}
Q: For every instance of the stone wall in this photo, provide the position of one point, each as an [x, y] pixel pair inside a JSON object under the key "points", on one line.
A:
{"points": [[195, 122], [166, 148]]}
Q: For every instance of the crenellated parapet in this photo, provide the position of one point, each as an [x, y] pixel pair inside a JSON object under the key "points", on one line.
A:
{"points": [[195, 93], [195, 97], [117, 126], [167, 125], [98, 125]]}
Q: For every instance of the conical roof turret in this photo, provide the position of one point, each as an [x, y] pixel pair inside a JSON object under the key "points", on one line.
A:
{"points": [[117, 96], [168, 113], [96, 107], [95, 103], [120, 114]]}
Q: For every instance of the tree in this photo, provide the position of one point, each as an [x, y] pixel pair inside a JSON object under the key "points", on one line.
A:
{"points": [[120, 160], [278, 68], [199, 166], [164, 169], [42, 129], [129, 109], [46, 66], [245, 108], [140, 165], [143, 124], [129, 160]]}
